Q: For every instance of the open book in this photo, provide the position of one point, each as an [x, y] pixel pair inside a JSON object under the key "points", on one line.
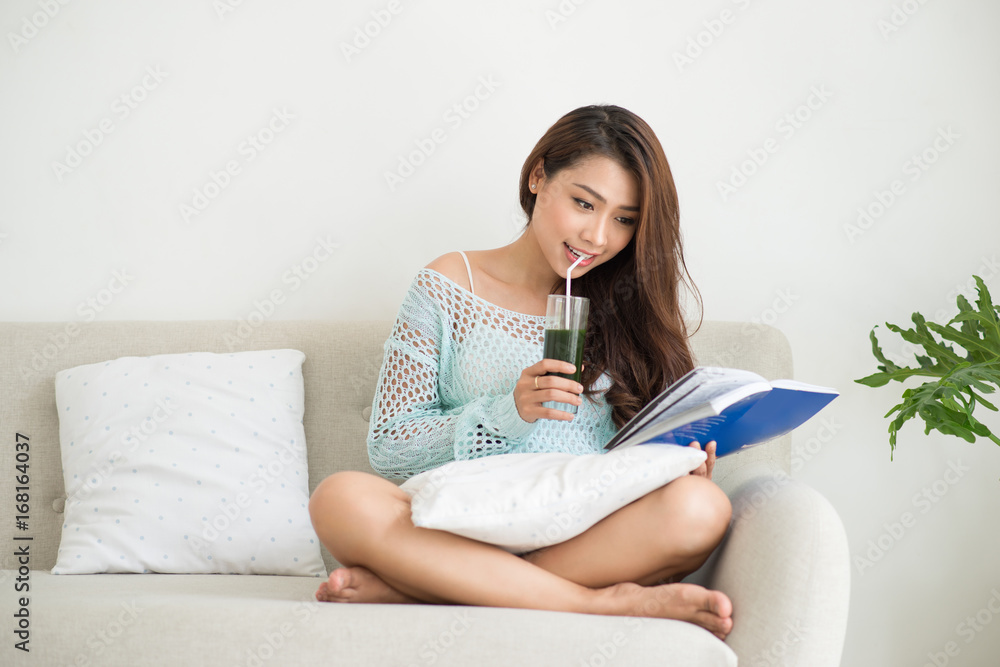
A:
{"points": [[736, 408]]}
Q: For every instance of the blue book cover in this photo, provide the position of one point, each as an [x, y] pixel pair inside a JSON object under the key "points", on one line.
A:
{"points": [[736, 408]]}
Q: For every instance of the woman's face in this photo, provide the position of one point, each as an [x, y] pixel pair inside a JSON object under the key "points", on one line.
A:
{"points": [[592, 207]]}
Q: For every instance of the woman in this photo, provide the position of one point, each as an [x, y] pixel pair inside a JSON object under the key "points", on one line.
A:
{"points": [[461, 379]]}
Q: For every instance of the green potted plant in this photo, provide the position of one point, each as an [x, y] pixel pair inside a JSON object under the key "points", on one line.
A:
{"points": [[946, 403]]}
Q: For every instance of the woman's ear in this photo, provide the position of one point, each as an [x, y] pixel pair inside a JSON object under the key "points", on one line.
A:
{"points": [[538, 171]]}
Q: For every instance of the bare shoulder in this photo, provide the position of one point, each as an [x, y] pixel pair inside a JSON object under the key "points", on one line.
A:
{"points": [[451, 266]]}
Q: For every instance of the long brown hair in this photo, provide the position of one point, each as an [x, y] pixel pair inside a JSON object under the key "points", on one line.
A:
{"points": [[636, 330]]}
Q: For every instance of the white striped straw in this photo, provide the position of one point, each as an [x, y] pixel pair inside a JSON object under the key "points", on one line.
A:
{"points": [[568, 272]]}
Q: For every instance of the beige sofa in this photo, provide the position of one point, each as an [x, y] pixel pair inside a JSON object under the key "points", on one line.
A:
{"points": [[784, 563]]}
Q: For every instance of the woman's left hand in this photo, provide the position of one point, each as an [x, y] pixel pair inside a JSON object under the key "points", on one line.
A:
{"points": [[705, 469]]}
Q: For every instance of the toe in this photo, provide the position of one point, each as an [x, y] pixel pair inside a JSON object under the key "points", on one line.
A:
{"points": [[337, 581], [720, 627], [721, 604], [338, 587]]}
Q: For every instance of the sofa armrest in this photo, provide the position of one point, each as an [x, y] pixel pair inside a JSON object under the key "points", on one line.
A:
{"points": [[785, 565]]}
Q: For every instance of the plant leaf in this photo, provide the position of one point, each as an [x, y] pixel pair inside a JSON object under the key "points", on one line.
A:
{"points": [[946, 403], [877, 351], [879, 379], [972, 344]]}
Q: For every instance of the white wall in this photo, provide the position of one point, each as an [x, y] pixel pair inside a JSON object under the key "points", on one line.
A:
{"points": [[777, 248]]}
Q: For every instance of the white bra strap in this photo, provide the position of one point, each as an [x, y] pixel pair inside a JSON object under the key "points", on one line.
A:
{"points": [[469, 269]]}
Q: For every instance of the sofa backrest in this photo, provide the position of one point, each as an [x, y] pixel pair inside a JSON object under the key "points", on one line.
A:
{"points": [[340, 372]]}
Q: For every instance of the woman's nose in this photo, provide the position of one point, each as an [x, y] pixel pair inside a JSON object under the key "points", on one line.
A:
{"points": [[596, 233]]}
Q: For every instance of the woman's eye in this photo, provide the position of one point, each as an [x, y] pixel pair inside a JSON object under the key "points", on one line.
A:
{"points": [[627, 221], [584, 204]]}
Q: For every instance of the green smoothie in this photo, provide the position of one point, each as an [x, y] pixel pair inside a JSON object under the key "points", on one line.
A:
{"points": [[565, 345]]}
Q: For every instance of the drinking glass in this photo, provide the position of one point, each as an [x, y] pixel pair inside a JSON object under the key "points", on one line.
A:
{"points": [[565, 330]]}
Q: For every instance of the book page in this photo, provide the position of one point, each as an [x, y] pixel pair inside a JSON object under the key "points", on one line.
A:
{"points": [[802, 386], [717, 399], [696, 388], [707, 393]]}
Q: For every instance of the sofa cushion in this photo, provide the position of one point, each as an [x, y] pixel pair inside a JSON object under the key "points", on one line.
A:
{"points": [[523, 502], [186, 463], [189, 619]]}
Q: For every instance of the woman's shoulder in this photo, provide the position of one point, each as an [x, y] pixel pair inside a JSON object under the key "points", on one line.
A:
{"points": [[452, 266]]}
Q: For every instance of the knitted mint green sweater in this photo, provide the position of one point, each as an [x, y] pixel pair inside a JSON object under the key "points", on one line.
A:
{"points": [[446, 388]]}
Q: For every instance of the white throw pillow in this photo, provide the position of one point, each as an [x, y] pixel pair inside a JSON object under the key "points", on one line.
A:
{"points": [[523, 502], [186, 463]]}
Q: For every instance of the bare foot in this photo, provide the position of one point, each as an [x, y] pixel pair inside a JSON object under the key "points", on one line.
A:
{"points": [[359, 584], [711, 610]]}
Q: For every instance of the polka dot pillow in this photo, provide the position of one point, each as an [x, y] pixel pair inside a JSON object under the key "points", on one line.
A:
{"points": [[186, 463]]}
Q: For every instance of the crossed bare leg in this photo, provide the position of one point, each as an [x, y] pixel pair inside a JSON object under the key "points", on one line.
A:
{"points": [[686, 602], [356, 515]]}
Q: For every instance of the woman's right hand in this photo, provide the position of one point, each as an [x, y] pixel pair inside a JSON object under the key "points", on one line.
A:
{"points": [[534, 387]]}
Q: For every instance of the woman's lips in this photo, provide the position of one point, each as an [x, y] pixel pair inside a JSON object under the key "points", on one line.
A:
{"points": [[572, 258]]}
